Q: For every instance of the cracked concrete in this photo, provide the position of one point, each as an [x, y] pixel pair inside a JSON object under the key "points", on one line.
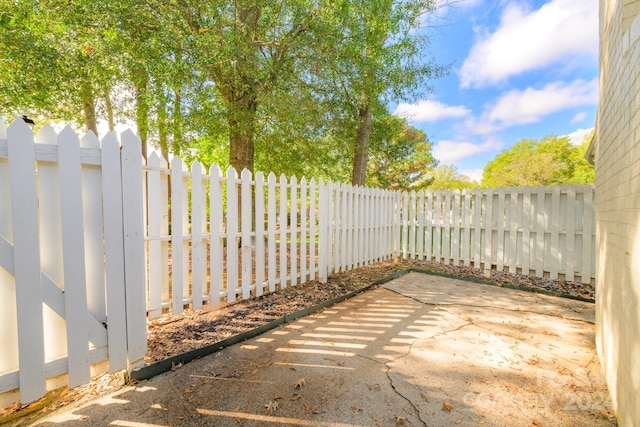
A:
{"points": [[422, 350]]}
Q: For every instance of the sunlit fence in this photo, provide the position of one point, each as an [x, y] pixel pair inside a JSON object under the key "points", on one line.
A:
{"points": [[219, 237], [539, 231], [94, 241]]}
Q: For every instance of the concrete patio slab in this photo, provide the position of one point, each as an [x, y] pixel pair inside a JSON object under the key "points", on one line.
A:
{"points": [[420, 350]]}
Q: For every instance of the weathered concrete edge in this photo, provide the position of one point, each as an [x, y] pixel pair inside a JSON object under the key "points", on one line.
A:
{"points": [[162, 366]]}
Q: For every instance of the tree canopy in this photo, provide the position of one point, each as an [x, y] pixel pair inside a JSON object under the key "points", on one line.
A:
{"points": [[293, 86], [447, 177], [550, 161]]}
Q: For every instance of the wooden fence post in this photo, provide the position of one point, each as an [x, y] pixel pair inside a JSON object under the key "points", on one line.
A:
{"points": [[260, 234], [26, 255], [232, 231], [198, 229], [114, 253], [323, 230], [313, 216], [132, 209], [246, 216], [73, 257], [216, 226], [271, 231]]}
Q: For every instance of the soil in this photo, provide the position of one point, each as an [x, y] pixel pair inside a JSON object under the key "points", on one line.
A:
{"points": [[171, 335]]}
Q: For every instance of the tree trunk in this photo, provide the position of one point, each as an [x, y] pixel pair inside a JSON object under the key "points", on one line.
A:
{"points": [[163, 133], [89, 109], [177, 122], [242, 120], [361, 152], [142, 109], [109, 108]]}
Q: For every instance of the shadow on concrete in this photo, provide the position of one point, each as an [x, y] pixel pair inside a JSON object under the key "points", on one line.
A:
{"points": [[421, 351]]}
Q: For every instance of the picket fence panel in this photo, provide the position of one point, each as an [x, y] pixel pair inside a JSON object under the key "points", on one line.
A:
{"points": [[542, 231], [122, 240], [261, 235], [66, 227]]}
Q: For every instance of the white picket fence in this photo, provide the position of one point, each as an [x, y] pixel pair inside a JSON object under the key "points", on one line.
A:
{"points": [[236, 237], [93, 242], [71, 258], [541, 231]]}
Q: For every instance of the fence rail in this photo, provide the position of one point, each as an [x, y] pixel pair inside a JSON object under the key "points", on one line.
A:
{"points": [[93, 241]]}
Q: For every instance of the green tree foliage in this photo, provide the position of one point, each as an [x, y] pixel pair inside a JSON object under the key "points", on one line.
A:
{"points": [[52, 62], [447, 177], [401, 156], [551, 161], [293, 86]]}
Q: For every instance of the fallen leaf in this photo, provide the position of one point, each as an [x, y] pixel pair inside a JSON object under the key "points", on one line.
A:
{"points": [[424, 397], [355, 408], [401, 421], [299, 384], [329, 378], [255, 371], [188, 390], [296, 397], [446, 406], [458, 421], [271, 407], [236, 409], [276, 397], [308, 408], [477, 420]]}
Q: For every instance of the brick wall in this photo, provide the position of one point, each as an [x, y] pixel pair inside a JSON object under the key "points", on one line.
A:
{"points": [[617, 158]]}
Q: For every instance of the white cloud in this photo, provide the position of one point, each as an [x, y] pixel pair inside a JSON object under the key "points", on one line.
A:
{"points": [[527, 40], [579, 117], [473, 174], [530, 105], [451, 151], [430, 111], [577, 137]]}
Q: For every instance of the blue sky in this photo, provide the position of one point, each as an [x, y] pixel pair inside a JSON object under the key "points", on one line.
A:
{"points": [[520, 69]]}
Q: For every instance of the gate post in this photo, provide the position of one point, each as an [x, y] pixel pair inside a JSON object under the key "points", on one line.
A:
{"points": [[134, 256]]}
